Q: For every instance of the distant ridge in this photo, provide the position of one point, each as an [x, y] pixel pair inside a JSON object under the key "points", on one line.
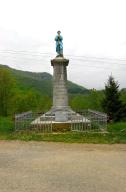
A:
{"points": [[41, 82]]}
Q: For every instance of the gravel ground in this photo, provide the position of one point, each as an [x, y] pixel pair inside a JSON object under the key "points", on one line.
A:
{"points": [[60, 167]]}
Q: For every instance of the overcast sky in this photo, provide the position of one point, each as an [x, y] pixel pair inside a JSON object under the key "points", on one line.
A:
{"points": [[94, 33]]}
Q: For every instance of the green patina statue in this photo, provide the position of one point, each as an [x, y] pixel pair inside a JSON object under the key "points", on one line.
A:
{"points": [[59, 44]]}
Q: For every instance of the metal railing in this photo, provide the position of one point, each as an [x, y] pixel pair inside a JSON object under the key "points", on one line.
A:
{"points": [[79, 121], [89, 120], [33, 121]]}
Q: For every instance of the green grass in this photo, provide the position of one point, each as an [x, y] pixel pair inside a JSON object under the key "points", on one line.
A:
{"points": [[106, 138], [6, 125], [116, 134], [117, 127]]}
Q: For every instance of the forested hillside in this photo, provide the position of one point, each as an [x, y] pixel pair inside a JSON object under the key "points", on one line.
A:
{"points": [[42, 82], [21, 91]]}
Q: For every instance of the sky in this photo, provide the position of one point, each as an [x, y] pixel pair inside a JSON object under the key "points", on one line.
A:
{"points": [[94, 37]]}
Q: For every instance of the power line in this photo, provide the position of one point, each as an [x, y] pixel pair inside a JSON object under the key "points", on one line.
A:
{"points": [[48, 53], [90, 60], [25, 52]]}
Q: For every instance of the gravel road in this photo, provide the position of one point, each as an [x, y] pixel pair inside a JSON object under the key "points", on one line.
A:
{"points": [[60, 167]]}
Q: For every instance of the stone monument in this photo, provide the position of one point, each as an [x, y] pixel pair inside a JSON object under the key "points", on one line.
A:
{"points": [[60, 106], [60, 113]]}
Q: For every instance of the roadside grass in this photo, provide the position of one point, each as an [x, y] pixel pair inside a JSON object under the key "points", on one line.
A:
{"points": [[116, 134], [117, 127], [70, 137], [6, 125]]}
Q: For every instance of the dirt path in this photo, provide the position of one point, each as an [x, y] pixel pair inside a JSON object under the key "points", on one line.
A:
{"points": [[59, 167]]}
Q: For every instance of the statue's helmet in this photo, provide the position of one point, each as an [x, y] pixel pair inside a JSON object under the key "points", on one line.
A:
{"points": [[58, 32]]}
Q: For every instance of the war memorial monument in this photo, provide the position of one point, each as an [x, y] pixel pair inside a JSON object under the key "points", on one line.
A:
{"points": [[61, 117], [60, 112], [60, 106]]}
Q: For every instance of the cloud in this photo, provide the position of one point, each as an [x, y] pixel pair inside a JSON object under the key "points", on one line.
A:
{"points": [[89, 28]]}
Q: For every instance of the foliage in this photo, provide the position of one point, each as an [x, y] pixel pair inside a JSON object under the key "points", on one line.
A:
{"points": [[117, 127], [31, 100], [76, 89], [123, 95], [16, 97], [45, 104], [6, 125], [41, 82], [112, 103], [87, 101], [7, 91]]}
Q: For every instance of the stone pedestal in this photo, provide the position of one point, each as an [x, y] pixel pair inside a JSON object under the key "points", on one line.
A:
{"points": [[60, 94], [60, 106]]}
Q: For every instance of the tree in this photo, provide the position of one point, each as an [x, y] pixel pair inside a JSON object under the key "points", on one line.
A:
{"points": [[92, 100], [31, 100], [26, 101], [112, 103], [44, 104], [7, 87]]}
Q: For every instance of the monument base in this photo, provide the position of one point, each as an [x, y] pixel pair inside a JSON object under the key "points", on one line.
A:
{"points": [[60, 115], [60, 121]]}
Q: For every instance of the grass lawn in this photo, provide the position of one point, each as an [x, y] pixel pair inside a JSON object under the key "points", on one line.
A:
{"points": [[116, 134], [106, 138]]}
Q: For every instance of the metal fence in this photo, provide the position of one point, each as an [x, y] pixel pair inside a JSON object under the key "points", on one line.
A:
{"points": [[89, 120], [33, 121], [79, 121]]}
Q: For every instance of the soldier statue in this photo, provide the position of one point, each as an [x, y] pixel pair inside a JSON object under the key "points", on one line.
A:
{"points": [[59, 44]]}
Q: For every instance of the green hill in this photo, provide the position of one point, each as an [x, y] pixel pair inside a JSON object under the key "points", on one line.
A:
{"points": [[41, 82]]}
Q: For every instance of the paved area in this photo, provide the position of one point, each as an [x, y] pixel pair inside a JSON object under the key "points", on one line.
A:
{"points": [[59, 167]]}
